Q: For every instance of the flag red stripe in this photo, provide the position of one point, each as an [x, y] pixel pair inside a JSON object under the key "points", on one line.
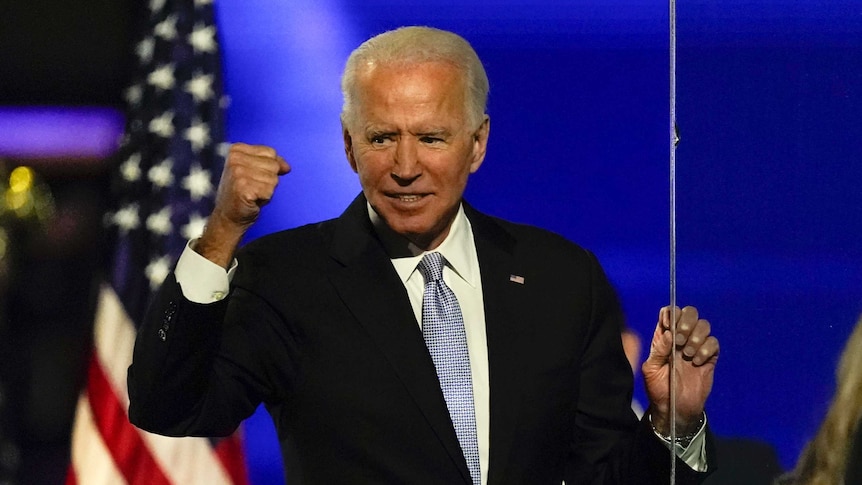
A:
{"points": [[230, 454], [131, 455]]}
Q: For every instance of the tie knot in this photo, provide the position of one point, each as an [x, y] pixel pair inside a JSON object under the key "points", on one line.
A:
{"points": [[431, 267]]}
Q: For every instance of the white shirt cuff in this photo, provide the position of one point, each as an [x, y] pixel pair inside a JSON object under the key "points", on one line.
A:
{"points": [[201, 280], [695, 454]]}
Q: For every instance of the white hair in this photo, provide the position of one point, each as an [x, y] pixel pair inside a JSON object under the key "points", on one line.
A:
{"points": [[415, 45]]}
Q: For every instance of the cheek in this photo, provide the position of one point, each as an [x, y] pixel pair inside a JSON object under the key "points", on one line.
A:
{"points": [[372, 168], [461, 173]]}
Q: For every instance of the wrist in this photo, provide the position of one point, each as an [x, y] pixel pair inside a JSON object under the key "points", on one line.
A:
{"points": [[219, 241], [685, 433]]}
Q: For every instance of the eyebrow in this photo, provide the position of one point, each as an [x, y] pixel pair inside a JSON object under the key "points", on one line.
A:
{"points": [[379, 131], [433, 132], [371, 131]]}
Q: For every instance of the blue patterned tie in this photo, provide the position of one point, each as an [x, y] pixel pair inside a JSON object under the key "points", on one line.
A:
{"points": [[443, 331]]}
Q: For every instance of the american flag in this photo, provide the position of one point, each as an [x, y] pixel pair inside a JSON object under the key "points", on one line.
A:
{"points": [[163, 188]]}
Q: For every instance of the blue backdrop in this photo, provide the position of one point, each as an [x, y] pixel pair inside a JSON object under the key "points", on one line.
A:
{"points": [[769, 166]]}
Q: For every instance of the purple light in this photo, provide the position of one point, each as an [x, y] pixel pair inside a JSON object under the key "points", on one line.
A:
{"points": [[68, 132]]}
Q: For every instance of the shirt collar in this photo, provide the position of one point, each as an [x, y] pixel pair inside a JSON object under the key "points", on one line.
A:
{"points": [[458, 248]]}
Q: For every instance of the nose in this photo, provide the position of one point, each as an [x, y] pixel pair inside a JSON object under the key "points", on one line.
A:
{"points": [[406, 167]]}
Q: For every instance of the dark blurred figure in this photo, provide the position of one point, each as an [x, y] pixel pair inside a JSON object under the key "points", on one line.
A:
{"points": [[52, 259], [744, 461], [853, 474], [834, 456], [53, 53]]}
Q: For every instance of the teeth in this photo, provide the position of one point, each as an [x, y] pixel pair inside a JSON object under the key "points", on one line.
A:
{"points": [[409, 198]]}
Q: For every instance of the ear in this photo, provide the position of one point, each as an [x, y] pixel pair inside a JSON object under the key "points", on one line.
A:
{"points": [[480, 144], [348, 146]]}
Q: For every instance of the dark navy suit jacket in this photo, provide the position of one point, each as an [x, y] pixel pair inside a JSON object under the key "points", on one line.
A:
{"points": [[319, 327]]}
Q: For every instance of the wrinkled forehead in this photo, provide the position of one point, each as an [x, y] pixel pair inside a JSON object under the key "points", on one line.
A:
{"points": [[407, 67], [431, 83]]}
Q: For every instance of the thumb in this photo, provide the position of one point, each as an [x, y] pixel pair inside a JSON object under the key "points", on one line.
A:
{"points": [[660, 348], [283, 166]]}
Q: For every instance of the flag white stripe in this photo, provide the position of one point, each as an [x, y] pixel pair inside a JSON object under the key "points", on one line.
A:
{"points": [[92, 462], [183, 460], [114, 338]]}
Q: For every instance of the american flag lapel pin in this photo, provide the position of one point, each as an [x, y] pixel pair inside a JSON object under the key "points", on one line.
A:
{"points": [[516, 279]]}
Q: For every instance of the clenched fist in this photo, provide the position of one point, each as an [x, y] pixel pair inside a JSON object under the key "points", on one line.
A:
{"points": [[247, 183], [696, 355]]}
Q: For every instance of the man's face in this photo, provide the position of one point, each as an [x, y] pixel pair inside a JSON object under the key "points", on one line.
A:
{"points": [[412, 146]]}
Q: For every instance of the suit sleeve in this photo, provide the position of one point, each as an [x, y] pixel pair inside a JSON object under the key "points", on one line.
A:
{"points": [[194, 371]]}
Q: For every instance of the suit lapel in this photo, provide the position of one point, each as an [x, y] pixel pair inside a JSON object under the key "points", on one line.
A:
{"points": [[505, 334], [372, 290]]}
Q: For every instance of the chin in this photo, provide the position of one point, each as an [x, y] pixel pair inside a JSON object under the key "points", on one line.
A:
{"points": [[410, 230]]}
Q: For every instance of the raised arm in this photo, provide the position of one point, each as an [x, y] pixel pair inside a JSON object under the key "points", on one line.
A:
{"points": [[176, 386]]}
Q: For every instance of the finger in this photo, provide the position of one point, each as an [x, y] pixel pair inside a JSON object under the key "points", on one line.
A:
{"points": [[257, 188], [252, 172], [707, 353], [249, 181], [686, 321], [267, 166], [266, 156], [696, 338], [283, 166], [665, 315], [261, 169], [255, 150], [660, 346]]}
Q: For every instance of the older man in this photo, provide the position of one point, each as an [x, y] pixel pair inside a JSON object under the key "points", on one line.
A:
{"points": [[412, 339]]}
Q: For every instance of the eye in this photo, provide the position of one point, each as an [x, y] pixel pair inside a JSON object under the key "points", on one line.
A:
{"points": [[380, 139], [431, 140]]}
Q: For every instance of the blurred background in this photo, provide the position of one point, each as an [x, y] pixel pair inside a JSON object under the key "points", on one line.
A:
{"points": [[769, 212]]}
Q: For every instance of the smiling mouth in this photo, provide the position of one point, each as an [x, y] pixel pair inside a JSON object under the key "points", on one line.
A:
{"points": [[408, 197]]}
